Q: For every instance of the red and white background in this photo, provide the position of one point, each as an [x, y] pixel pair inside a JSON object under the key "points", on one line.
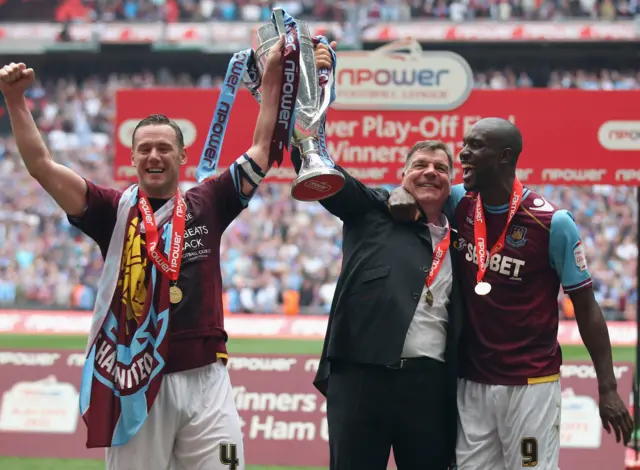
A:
{"points": [[227, 34], [283, 416], [570, 136], [238, 325]]}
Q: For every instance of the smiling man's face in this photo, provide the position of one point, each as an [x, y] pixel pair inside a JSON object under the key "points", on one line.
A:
{"points": [[427, 177], [157, 157]]}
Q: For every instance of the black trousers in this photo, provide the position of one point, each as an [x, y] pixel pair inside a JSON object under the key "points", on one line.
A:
{"points": [[371, 409]]}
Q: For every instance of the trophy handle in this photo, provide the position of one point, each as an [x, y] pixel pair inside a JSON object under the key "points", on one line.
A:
{"points": [[326, 101], [278, 14]]}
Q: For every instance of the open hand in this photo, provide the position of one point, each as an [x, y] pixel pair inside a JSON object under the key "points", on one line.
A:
{"points": [[403, 206], [615, 416], [15, 79]]}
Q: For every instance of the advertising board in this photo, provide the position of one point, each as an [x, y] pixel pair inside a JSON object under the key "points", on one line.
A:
{"points": [[571, 137], [283, 416], [241, 325]]}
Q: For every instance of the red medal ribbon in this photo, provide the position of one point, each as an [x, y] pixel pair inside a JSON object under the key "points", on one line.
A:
{"points": [[281, 138], [439, 254], [169, 267], [480, 229]]}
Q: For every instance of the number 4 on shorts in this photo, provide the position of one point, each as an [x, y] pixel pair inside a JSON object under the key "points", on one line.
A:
{"points": [[529, 451], [229, 456]]}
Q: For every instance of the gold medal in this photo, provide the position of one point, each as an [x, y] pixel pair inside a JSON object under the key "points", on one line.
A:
{"points": [[175, 294], [428, 297]]}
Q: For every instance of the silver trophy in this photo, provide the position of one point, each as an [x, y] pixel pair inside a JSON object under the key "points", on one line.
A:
{"points": [[316, 180]]}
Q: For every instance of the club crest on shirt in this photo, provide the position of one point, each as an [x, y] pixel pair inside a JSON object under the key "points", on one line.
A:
{"points": [[516, 236], [459, 244]]}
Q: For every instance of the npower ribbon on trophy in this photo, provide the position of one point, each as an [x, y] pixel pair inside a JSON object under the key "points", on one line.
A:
{"points": [[305, 97]]}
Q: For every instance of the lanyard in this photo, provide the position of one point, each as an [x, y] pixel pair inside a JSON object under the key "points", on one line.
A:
{"points": [[480, 235]]}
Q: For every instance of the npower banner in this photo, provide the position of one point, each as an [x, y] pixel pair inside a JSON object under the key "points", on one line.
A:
{"points": [[570, 136], [283, 416]]}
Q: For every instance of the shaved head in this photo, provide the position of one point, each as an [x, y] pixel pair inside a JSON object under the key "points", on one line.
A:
{"points": [[501, 134], [490, 154]]}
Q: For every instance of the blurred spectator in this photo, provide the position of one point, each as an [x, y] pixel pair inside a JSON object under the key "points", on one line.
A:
{"points": [[595, 80], [280, 254], [365, 11]]}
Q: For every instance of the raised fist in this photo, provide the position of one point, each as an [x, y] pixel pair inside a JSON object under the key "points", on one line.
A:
{"points": [[15, 78]]}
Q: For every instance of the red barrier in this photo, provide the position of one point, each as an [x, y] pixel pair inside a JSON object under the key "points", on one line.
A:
{"points": [[238, 325], [284, 417]]}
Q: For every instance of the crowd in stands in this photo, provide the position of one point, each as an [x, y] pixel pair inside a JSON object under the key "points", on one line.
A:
{"points": [[279, 250], [363, 11]]}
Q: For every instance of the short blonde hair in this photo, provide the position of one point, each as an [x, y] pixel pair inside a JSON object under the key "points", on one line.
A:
{"points": [[431, 146]]}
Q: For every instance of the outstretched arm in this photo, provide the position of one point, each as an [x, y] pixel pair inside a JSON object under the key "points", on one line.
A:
{"points": [[255, 164], [65, 186], [404, 208], [353, 200], [251, 168], [568, 259]]}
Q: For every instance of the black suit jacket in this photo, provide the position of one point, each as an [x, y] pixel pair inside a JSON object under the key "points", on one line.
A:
{"points": [[385, 264]]}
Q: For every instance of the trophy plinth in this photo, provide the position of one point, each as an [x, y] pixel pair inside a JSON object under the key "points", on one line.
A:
{"points": [[315, 181]]}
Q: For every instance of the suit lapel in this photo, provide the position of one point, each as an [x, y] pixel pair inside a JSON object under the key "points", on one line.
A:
{"points": [[423, 232]]}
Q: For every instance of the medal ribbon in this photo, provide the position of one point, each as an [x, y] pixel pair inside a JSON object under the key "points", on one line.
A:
{"points": [[439, 254], [288, 92], [169, 267], [480, 229]]}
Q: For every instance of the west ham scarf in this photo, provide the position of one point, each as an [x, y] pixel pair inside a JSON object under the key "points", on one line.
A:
{"points": [[128, 343]]}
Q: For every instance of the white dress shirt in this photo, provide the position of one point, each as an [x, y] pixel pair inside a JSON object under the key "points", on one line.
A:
{"points": [[427, 334]]}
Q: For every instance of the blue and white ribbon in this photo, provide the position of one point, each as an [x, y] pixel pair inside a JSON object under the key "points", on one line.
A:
{"points": [[210, 156], [324, 77]]}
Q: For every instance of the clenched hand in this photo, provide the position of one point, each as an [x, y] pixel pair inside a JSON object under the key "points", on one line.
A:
{"points": [[15, 79], [323, 55], [403, 206]]}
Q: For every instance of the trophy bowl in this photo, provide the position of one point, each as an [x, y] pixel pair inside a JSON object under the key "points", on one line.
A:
{"points": [[317, 179]]}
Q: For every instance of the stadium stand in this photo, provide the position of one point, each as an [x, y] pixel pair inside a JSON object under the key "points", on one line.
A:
{"points": [[271, 260], [366, 11]]}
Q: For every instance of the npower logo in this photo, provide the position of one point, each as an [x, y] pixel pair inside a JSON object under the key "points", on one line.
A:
{"points": [[620, 135], [400, 76], [126, 127]]}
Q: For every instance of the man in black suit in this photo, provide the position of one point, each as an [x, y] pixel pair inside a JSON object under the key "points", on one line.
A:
{"points": [[388, 365]]}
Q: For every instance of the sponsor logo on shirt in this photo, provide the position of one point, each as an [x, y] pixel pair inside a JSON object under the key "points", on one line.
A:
{"points": [[579, 256], [542, 205], [505, 265]]}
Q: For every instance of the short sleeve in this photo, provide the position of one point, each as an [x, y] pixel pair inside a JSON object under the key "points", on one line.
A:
{"points": [[457, 193], [567, 254], [225, 194], [99, 218]]}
